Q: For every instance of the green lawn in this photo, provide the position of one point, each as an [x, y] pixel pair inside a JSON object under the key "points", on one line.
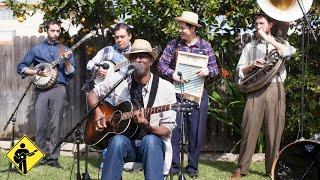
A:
{"points": [[208, 170]]}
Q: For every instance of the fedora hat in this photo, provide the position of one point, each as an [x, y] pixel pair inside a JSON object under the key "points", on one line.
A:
{"points": [[189, 18], [139, 46]]}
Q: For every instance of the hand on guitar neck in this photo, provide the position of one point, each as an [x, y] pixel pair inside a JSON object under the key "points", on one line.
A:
{"points": [[67, 55], [140, 119]]}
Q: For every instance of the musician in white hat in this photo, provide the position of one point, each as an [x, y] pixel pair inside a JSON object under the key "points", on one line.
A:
{"points": [[143, 90], [49, 103], [265, 105], [188, 41]]}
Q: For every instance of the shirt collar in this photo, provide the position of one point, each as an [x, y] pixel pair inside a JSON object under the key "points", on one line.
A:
{"points": [[54, 44], [196, 42], [127, 49]]}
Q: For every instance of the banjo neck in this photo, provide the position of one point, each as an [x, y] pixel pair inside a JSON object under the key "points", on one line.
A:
{"points": [[58, 60]]}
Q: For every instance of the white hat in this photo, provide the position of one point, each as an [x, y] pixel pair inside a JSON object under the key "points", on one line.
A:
{"points": [[141, 45], [189, 18]]}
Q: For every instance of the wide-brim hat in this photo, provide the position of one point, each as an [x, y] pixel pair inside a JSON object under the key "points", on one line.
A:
{"points": [[189, 18], [141, 45]]}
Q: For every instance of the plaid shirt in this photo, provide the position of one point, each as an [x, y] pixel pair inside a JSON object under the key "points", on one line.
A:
{"points": [[112, 53], [167, 61]]}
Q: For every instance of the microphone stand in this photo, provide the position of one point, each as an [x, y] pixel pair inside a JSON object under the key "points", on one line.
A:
{"points": [[302, 63], [85, 175], [182, 131], [13, 119], [78, 125]]}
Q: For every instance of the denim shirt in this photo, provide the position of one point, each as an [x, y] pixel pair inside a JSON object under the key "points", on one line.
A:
{"points": [[44, 52]]}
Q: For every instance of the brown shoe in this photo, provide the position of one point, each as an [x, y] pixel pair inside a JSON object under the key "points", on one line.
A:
{"points": [[235, 176]]}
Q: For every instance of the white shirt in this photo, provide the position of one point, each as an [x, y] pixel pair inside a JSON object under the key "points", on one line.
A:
{"points": [[165, 95], [247, 57]]}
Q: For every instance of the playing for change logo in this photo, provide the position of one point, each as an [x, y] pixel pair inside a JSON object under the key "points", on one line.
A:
{"points": [[25, 155]]}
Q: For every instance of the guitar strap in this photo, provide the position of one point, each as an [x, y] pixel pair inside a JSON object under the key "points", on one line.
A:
{"points": [[61, 50], [153, 91]]}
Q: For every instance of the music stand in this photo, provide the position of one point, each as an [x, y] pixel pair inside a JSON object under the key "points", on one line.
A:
{"points": [[13, 120]]}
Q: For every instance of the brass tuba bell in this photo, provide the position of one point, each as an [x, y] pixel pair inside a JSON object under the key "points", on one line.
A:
{"points": [[285, 10]]}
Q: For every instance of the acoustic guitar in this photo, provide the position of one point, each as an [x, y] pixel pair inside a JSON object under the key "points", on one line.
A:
{"points": [[112, 68], [20, 156], [119, 121]]}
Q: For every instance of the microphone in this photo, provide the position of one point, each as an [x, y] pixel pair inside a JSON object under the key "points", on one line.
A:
{"points": [[179, 74], [136, 68], [104, 65]]}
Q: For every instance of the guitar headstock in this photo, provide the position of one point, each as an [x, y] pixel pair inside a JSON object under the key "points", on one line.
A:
{"points": [[185, 106], [90, 34]]}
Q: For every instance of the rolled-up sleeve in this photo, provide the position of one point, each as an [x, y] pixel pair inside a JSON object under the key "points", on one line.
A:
{"points": [[95, 60], [168, 118], [25, 62], [288, 51]]}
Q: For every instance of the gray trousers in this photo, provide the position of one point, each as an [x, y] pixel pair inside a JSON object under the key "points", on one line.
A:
{"points": [[49, 108], [265, 106]]}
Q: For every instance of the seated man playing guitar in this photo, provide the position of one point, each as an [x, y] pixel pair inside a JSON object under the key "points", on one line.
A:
{"points": [[143, 90]]}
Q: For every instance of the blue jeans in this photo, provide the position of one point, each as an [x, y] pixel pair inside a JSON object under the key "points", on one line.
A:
{"points": [[150, 151]]}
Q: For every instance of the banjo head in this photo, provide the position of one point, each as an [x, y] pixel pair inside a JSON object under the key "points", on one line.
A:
{"points": [[40, 81]]}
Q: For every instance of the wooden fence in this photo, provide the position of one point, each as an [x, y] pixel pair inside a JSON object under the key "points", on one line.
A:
{"points": [[218, 137]]}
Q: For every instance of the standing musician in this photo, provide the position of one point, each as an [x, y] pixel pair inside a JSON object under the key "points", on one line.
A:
{"points": [[196, 122], [49, 103], [122, 37], [154, 149], [266, 105]]}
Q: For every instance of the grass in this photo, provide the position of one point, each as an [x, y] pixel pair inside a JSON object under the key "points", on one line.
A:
{"points": [[209, 170]]}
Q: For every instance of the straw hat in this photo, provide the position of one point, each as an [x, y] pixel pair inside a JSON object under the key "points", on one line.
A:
{"points": [[189, 18], [141, 45]]}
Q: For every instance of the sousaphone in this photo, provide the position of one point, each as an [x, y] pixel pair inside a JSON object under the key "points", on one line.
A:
{"points": [[282, 11], [285, 10]]}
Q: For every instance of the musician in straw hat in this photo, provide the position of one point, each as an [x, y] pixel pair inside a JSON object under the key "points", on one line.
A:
{"points": [[143, 89], [266, 105], [188, 41], [49, 103]]}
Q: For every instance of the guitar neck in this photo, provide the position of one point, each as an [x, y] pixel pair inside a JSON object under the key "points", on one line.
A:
{"points": [[121, 65], [147, 111], [58, 60]]}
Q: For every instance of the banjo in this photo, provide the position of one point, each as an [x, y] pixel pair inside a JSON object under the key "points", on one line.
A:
{"points": [[47, 82]]}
